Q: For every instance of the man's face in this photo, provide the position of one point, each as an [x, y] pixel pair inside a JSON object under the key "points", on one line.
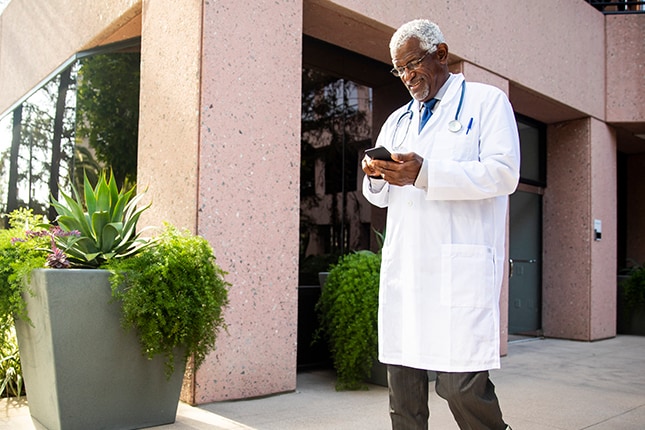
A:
{"points": [[429, 75]]}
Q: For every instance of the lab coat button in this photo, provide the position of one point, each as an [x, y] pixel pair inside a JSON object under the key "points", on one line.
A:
{"points": [[410, 203]]}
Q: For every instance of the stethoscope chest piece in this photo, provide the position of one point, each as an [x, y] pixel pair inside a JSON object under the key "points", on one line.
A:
{"points": [[454, 126]]}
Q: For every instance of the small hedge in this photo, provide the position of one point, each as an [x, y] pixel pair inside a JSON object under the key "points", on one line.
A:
{"points": [[348, 309]]}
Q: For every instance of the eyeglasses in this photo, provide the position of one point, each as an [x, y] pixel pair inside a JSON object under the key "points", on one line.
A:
{"points": [[411, 66]]}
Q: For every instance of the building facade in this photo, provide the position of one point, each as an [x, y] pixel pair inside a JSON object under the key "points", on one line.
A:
{"points": [[220, 144]]}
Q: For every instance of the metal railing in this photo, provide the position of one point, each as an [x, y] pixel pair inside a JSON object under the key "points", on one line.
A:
{"points": [[618, 6]]}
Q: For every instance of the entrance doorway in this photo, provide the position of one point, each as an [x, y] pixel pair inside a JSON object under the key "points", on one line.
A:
{"points": [[525, 247], [344, 97], [525, 250]]}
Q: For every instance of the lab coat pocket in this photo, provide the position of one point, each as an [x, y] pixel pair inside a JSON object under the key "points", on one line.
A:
{"points": [[455, 146], [467, 276]]}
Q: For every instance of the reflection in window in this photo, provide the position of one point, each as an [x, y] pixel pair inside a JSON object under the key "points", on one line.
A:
{"points": [[336, 129], [84, 120], [533, 148]]}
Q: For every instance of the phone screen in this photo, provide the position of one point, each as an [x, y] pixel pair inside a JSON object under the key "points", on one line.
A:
{"points": [[379, 153]]}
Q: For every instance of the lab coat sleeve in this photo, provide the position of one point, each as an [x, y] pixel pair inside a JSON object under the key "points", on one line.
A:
{"points": [[376, 191], [495, 171]]}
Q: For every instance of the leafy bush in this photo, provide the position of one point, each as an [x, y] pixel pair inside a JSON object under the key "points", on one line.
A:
{"points": [[348, 309], [17, 260], [11, 382], [172, 293], [171, 290], [634, 287]]}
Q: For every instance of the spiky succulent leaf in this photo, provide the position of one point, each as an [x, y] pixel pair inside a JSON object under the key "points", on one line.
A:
{"points": [[109, 227]]}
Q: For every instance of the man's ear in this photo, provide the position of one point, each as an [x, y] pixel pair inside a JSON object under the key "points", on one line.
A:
{"points": [[442, 53]]}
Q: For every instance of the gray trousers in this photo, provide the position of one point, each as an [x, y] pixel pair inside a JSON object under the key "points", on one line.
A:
{"points": [[471, 398]]}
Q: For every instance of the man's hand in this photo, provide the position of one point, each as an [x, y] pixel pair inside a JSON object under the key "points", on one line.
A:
{"points": [[402, 171]]}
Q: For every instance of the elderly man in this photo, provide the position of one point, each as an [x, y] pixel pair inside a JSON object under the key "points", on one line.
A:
{"points": [[455, 158]]}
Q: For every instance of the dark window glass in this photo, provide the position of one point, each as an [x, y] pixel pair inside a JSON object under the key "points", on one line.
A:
{"points": [[533, 151], [83, 120], [336, 129]]}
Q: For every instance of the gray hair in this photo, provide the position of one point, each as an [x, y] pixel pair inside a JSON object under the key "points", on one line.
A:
{"points": [[426, 31]]}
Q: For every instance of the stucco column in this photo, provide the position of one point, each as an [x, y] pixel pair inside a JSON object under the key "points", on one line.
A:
{"points": [[579, 273], [249, 192], [219, 150]]}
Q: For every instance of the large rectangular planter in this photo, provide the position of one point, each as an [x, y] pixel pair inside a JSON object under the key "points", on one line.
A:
{"points": [[82, 370]]}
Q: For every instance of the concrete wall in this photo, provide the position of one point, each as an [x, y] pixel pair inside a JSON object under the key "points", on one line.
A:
{"points": [[626, 69], [37, 37], [535, 43], [579, 273], [249, 190]]}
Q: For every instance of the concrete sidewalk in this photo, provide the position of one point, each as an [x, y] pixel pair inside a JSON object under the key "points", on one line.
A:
{"points": [[543, 385]]}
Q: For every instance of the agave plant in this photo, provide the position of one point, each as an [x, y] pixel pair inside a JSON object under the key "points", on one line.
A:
{"points": [[108, 227]]}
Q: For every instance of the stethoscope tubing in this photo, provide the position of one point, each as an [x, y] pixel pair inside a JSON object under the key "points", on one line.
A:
{"points": [[454, 125]]}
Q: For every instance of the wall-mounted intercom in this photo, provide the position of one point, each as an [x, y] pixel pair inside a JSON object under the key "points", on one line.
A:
{"points": [[597, 229]]}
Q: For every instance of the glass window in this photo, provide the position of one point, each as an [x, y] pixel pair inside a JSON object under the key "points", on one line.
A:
{"points": [[336, 129], [83, 120], [533, 151]]}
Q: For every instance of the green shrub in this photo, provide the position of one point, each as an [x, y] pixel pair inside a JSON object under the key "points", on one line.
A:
{"points": [[17, 260], [634, 287], [11, 382], [172, 293], [348, 309]]}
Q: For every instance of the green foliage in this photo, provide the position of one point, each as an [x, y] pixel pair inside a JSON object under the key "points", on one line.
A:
{"points": [[348, 309], [108, 110], [11, 382], [17, 260], [108, 227], [172, 293], [634, 287]]}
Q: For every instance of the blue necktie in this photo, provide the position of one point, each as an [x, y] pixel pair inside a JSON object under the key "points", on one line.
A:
{"points": [[427, 113]]}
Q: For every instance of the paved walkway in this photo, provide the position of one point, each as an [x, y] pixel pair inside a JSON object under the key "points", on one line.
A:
{"points": [[543, 385]]}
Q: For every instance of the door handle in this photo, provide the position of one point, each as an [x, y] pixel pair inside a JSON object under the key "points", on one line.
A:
{"points": [[511, 261]]}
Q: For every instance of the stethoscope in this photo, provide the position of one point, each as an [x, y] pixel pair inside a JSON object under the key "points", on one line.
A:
{"points": [[454, 125]]}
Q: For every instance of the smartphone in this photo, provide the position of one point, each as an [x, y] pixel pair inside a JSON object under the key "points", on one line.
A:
{"points": [[379, 153]]}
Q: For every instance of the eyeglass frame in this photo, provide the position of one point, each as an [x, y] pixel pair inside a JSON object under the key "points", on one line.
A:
{"points": [[410, 66]]}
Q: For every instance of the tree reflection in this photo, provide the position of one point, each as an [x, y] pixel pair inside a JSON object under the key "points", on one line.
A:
{"points": [[84, 120], [336, 128]]}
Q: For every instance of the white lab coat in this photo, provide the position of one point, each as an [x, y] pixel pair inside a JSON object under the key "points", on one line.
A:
{"points": [[443, 256]]}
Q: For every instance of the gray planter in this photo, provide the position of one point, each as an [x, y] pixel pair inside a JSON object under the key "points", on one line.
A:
{"points": [[82, 370]]}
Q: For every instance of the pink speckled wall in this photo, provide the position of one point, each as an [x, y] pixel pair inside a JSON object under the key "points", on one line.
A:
{"points": [[567, 227], [249, 167], [625, 67], [603, 181], [579, 278], [36, 38], [169, 112], [525, 41]]}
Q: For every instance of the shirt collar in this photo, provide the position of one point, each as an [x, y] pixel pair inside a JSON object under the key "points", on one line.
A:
{"points": [[444, 87], [441, 93]]}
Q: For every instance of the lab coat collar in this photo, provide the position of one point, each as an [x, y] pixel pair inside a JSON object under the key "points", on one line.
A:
{"points": [[446, 93]]}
